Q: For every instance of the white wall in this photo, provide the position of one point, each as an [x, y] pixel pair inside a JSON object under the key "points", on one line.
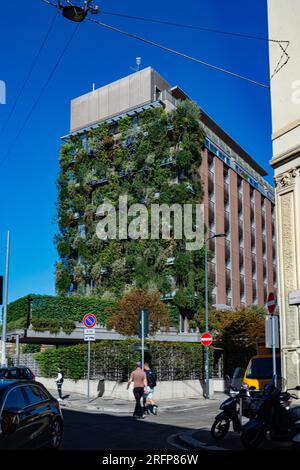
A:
{"points": [[163, 391], [283, 23]]}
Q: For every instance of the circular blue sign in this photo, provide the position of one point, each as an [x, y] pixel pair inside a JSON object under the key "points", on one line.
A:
{"points": [[89, 320]]}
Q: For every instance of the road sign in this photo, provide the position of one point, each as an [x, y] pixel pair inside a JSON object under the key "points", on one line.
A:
{"points": [[271, 303], [89, 331], [89, 320], [269, 331], [206, 339], [143, 323], [138, 347], [89, 338]]}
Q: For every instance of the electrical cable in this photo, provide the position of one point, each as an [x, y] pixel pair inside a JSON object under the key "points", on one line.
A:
{"points": [[40, 94], [181, 54], [188, 26], [28, 75]]}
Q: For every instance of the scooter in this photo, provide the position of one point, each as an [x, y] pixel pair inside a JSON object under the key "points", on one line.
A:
{"points": [[243, 402], [275, 418]]}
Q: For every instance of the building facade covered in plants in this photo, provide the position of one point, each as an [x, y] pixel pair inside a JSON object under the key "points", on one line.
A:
{"points": [[142, 137]]}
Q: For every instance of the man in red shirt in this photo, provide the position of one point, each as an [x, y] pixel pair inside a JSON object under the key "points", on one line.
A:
{"points": [[139, 379]]}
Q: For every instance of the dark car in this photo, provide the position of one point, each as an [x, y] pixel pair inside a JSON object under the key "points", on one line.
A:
{"points": [[16, 373], [30, 418]]}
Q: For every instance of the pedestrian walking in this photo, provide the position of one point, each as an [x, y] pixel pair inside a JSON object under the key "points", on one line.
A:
{"points": [[148, 402], [138, 378], [59, 382]]}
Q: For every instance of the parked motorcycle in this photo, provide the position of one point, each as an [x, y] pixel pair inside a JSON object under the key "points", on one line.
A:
{"points": [[275, 417], [231, 412]]}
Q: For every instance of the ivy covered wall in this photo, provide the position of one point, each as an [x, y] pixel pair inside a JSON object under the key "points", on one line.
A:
{"points": [[153, 158]]}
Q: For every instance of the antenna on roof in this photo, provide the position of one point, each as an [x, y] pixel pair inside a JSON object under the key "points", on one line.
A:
{"points": [[94, 87], [138, 61]]}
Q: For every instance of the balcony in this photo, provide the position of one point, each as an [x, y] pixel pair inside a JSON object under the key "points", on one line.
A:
{"points": [[211, 212], [211, 182], [242, 286], [254, 290], [228, 278], [94, 182], [212, 272], [226, 222], [241, 229], [167, 161], [253, 238], [168, 296], [103, 180], [226, 192], [264, 270], [264, 246], [170, 261], [227, 250], [240, 206], [241, 253], [253, 263]]}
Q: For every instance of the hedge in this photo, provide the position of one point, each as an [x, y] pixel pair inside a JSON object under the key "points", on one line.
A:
{"points": [[114, 360], [53, 313]]}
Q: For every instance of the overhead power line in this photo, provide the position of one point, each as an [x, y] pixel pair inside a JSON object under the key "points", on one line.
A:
{"points": [[181, 54], [189, 26], [40, 95], [28, 75]]}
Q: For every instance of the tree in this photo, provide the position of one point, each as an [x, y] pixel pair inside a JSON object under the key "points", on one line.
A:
{"points": [[124, 317], [235, 332]]}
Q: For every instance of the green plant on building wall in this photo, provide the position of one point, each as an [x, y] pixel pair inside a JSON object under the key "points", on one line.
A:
{"points": [[153, 159]]}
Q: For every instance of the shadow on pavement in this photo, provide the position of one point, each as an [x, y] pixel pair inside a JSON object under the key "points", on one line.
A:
{"points": [[88, 431]]}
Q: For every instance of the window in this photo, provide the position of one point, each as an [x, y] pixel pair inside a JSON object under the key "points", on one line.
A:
{"points": [[35, 394], [157, 93], [15, 399]]}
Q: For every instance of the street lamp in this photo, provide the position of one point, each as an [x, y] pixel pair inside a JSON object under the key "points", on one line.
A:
{"points": [[206, 354]]}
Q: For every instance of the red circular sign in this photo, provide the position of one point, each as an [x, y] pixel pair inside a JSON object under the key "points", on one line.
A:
{"points": [[271, 303], [89, 320], [206, 339]]}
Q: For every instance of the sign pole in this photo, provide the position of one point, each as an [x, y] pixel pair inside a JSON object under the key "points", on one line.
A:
{"points": [[89, 321], [271, 304], [206, 352], [4, 317], [89, 370], [143, 337], [274, 349]]}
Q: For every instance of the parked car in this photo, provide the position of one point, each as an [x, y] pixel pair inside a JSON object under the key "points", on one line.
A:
{"points": [[30, 417], [16, 373], [259, 371]]}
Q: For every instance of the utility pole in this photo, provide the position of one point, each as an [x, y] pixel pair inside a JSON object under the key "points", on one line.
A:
{"points": [[4, 317], [206, 350]]}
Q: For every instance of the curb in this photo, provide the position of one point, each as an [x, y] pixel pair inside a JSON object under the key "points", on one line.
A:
{"points": [[127, 408], [188, 439]]}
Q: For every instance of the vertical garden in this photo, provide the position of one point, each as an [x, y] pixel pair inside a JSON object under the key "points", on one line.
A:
{"points": [[153, 158]]}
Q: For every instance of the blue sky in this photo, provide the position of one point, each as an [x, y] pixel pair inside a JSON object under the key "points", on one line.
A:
{"points": [[28, 177]]}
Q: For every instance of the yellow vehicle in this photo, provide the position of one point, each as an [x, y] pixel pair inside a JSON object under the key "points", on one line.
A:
{"points": [[259, 371]]}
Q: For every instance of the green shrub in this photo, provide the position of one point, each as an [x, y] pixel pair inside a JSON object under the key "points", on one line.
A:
{"points": [[111, 359], [31, 348]]}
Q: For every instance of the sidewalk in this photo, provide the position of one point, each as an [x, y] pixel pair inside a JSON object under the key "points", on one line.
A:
{"points": [[76, 401]]}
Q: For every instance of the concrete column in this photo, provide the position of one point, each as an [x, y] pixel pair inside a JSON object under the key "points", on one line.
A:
{"points": [[269, 244], [288, 249]]}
